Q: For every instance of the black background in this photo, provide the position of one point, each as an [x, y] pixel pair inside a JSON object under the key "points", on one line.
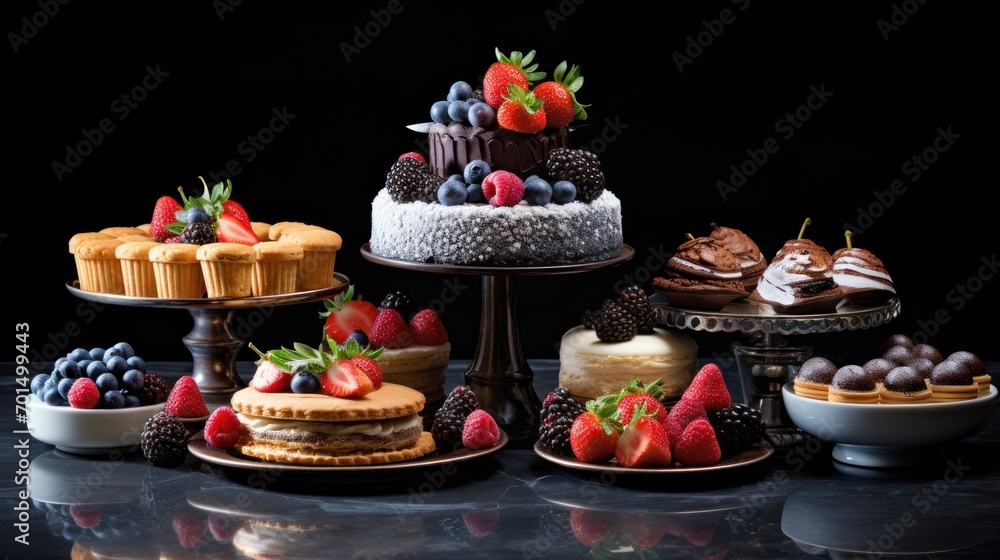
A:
{"points": [[665, 134]]}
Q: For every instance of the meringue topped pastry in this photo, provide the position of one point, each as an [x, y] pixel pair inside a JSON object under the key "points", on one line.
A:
{"points": [[702, 274], [861, 275], [752, 262], [814, 378], [851, 384], [799, 279], [952, 381], [975, 366], [904, 385]]}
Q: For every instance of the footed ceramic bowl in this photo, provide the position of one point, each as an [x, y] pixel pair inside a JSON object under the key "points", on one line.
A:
{"points": [[884, 435], [88, 431]]}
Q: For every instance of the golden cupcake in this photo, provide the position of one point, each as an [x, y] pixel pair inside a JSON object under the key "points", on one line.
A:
{"points": [[952, 381], [904, 385], [814, 378], [98, 266], [119, 231], [137, 271], [177, 271], [851, 384], [278, 228], [227, 268], [262, 230], [976, 367], [319, 253], [275, 268], [74, 243]]}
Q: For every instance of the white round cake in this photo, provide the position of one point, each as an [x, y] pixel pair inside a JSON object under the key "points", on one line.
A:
{"points": [[485, 235], [590, 368]]}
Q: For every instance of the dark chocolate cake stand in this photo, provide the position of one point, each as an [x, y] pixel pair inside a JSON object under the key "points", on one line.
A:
{"points": [[766, 365], [499, 374], [213, 341]]}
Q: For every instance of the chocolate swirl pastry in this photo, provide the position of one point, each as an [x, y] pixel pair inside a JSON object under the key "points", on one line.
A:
{"points": [[799, 280], [702, 275], [752, 262]]}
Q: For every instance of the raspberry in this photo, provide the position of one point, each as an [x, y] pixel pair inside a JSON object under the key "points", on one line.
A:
{"points": [[480, 430], [223, 428], [503, 188], [84, 393]]}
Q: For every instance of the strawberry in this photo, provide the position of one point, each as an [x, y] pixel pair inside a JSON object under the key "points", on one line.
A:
{"points": [[481, 523], [709, 388], [415, 155], [84, 393], [637, 393], [276, 368], [269, 378], [345, 313], [698, 446], [686, 410], [236, 210], [639, 531], [185, 399], [594, 433], [503, 188], [346, 380], [370, 368], [591, 526], [521, 111], [222, 527], [164, 214], [643, 442], [390, 330], [427, 328], [480, 430], [231, 230], [86, 517], [223, 428], [516, 69], [559, 96], [189, 528]]}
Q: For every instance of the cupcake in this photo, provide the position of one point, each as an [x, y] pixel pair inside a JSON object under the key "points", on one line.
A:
{"points": [[262, 230], [275, 267], [814, 378], [952, 381], [74, 244], [903, 385], [98, 266], [878, 368], [319, 254], [119, 231], [799, 279], [975, 366], [145, 228], [276, 229], [852, 385], [861, 275], [137, 271], [227, 268], [702, 274], [752, 262], [177, 271]]}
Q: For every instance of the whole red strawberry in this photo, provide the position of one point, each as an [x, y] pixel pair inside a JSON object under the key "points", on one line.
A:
{"points": [[390, 330], [516, 69], [594, 434], [223, 428], [521, 111], [427, 328], [185, 399], [559, 96], [269, 378], [708, 387], [164, 214], [503, 188], [698, 446], [637, 393]]}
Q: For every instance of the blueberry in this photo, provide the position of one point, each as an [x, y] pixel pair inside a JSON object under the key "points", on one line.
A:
{"points": [[132, 380], [458, 110], [452, 193], [304, 382], [49, 385], [439, 112], [64, 386], [538, 192], [457, 177], [563, 192], [112, 398], [110, 353], [52, 397], [106, 382], [481, 115], [59, 361], [97, 353], [475, 171], [79, 354], [126, 349], [69, 369], [136, 362], [460, 90], [37, 382], [132, 401], [474, 194], [96, 368], [359, 336], [197, 214], [117, 365]]}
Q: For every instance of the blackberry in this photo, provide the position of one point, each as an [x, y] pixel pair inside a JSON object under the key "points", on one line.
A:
{"points": [[559, 410], [450, 418], [580, 167], [615, 324], [737, 427], [410, 180], [636, 302], [164, 440], [198, 233], [154, 389], [592, 312], [400, 302]]}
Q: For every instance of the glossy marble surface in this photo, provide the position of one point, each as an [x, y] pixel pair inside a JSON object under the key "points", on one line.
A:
{"points": [[511, 504]]}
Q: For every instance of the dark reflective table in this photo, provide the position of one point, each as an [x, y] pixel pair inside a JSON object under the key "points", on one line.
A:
{"points": [[510, 504]]}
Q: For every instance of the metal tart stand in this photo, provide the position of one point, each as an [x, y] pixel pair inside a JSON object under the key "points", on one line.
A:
{"points": [[212, 341], [769, 361], [499, 374]]}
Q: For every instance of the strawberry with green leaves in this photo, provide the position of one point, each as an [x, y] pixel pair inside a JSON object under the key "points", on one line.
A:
{"points": [[164, 214], [366, 359], [390, 330], [559, 96], [638, 393], [345, 314], [514, 69], [231, 221], [593, 436], [344, 379], [275, 368], [521, 111], [644, 441]]}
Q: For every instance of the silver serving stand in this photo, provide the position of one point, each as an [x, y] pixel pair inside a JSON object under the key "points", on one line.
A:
{"points": [[499, 374], [766, 365], [213, 342]]}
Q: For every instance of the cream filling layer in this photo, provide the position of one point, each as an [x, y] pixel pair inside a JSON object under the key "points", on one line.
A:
{"points": [[384, 427], [707, 271]]}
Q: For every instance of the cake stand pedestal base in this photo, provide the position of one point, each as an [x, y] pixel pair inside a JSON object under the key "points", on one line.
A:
{"points": [[763, 370], [213, 349]]}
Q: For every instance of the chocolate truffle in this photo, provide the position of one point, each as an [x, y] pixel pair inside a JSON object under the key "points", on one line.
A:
{"points": [[969, 360], [929, 352], [818, 370], [853, 378], [922, 366], [896, 340], [878, 367], [950, 373], [904, 379], [899, 354]]}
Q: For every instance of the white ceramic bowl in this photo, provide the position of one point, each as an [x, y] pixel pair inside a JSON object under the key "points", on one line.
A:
{"points": [[883, 435], [88, 431]]}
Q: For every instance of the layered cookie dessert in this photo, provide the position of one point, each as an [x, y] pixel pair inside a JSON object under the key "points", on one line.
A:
{"points": [[851, 384], [702, 274], [974, 364], [950, 381], [861, 275], [814, 378], [752, 262], [903, 385], [799, 279]]}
